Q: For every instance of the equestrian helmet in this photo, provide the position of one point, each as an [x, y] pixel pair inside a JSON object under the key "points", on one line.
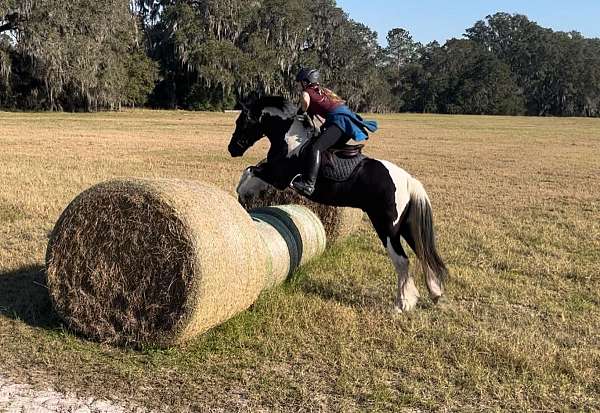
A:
{"points": [[308, 75]]}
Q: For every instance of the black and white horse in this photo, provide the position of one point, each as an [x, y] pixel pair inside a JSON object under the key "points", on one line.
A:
{"points": [[395, 202]]}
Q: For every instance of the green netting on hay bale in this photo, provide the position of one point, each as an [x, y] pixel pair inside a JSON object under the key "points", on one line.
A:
{"points": [[339, 222]]}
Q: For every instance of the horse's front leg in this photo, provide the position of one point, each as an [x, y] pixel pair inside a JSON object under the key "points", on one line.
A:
{"points": [[250, 186]]}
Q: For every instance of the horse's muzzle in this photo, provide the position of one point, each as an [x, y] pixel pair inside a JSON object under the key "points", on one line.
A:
{"points": [[235, 149]]}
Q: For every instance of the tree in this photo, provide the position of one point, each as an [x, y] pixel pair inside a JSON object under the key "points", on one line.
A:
{"points": [[211, 50], [526, 48], [354, 60], [204, 54], [477, 82], [72, 55], [401, 49]]}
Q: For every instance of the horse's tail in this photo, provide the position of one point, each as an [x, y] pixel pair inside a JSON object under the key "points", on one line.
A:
{"points": [[420, 220]]}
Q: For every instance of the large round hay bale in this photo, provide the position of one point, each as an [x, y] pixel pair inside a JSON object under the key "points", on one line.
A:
{"points": [[150, 262], [157, 262], [339, 222]]}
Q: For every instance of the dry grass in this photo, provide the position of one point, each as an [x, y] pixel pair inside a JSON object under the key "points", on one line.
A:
{"points": [[517, 207]]}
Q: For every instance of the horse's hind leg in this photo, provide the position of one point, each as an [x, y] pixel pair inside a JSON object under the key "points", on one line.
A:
{"points": [[433, 282], [407, 294], [434, 286]]}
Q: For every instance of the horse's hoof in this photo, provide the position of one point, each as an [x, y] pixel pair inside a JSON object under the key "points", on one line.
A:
{"points": [[408, 303], [440, 301], [405, 307]]}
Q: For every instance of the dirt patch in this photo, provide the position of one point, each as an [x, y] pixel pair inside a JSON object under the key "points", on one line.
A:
{"points": [[23, 398]]}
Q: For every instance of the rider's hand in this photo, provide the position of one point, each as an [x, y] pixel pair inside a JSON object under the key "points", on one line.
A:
{"points": [[305, 119]]}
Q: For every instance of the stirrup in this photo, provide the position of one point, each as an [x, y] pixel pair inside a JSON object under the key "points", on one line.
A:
{"points": [[308, 191], [305, 189], [293, 179]]}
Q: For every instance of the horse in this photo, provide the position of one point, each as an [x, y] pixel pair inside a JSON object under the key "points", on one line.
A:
{"points": [[395, 202]]}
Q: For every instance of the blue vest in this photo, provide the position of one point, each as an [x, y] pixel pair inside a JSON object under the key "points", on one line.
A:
{"points": [[352, 125]]}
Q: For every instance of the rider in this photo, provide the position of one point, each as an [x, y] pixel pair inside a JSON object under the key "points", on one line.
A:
{"points": [[341, 125]]}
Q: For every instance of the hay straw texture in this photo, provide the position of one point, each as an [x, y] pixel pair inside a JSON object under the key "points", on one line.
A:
{"points": [[339, 223], [279, 260], [153, 262], [312, 238], [293, 236]]}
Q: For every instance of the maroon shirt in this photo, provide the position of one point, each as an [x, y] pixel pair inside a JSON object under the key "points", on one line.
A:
{"points": [[320, 103]]}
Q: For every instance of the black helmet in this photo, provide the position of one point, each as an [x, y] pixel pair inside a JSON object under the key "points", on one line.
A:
{"points": [[308, 75]]}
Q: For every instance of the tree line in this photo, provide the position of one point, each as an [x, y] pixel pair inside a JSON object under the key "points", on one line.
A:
{"points": [[205, 54]]}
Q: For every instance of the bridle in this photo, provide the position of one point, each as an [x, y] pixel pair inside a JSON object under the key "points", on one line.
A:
{"points": [[238, 145], [252, 122]]}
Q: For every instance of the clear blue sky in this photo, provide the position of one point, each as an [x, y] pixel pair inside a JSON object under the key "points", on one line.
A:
{"points": [[429, 20]]}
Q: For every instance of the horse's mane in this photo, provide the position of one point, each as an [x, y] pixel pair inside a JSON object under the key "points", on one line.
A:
{"points": [[287, 108]]}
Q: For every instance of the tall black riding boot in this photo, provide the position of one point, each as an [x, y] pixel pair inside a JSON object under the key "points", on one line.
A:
{"points": [[305, 183]]}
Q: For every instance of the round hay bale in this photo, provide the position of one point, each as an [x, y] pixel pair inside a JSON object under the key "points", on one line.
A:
{"points": [[279, 265], [293, 234], [157, 262], [153, 262], [339, 222], [342, 222]]}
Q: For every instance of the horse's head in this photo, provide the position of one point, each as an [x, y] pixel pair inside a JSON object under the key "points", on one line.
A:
{"points": [[270, 116], [248, 131]]}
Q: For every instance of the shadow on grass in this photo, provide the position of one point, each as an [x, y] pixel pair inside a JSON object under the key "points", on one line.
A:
{"points": [[348, 294], [380, 298], [24, 296]]}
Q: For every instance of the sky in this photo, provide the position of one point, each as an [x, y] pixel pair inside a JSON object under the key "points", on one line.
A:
{"points": [[440, 20]]}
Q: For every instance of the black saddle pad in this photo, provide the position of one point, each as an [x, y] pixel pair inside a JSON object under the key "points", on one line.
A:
{"points": [[338, 168]]}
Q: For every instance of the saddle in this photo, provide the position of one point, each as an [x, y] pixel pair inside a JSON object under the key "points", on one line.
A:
{"points": [[347, 151], [340, 162]]}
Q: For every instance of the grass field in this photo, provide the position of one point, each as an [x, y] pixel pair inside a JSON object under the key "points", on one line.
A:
{"points": [[517, 210]]}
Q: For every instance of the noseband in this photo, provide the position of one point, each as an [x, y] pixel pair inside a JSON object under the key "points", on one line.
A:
{"points": [[239, 145]]}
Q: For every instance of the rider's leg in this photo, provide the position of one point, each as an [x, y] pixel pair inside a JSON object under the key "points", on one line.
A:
{"points": [[306, 183]]}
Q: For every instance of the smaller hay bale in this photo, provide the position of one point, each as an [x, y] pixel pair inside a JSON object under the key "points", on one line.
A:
{"points": [[293, 234], [279, 265], [339, 222]]}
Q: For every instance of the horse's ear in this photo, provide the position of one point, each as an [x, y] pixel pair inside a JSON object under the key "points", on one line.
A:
{"points": [[241, 105], [252, 98]]}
